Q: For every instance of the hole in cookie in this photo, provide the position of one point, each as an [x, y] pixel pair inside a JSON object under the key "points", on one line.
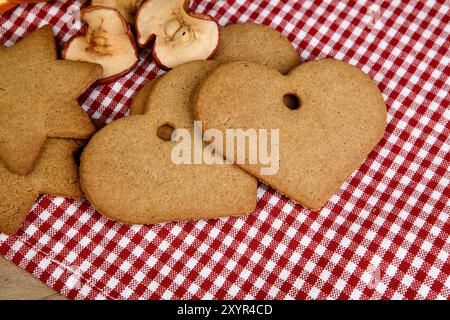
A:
{"points": [[165, 132], [291, 101]]}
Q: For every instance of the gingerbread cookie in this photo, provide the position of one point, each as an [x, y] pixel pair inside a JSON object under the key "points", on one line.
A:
{"points": [[38, 98], [247, 42], [128, 170], [55, 172], [330, 115], [257, 43], [140, 100]]}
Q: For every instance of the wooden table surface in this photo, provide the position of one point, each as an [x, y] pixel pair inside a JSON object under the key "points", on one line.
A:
{"points": [[16, 283]]}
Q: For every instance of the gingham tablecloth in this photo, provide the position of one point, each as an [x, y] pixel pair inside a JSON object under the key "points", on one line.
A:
{"points": [[385, 234]]}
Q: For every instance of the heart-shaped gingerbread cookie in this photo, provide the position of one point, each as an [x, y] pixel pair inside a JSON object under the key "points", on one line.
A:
{"points": [[128, 173], [330, 115], [241, 42]]}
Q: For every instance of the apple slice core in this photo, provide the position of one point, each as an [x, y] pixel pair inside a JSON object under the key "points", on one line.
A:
{"points": [[180, 35], [108, 42]]}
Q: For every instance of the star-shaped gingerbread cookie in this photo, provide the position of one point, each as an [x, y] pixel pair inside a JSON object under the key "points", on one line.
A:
{"points": [[38, 98], [55, 172]]}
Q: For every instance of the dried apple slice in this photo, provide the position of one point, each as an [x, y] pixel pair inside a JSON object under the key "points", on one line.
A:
{"points": [[28, 1], [180, 35], [127, 8], [108, 42], [6, 6]]}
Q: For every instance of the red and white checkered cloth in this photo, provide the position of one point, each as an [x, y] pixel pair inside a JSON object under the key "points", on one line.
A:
{"points": [[385, 234]]}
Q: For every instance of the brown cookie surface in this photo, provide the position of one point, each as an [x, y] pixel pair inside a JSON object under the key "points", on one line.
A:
{"points": [[340, 118], [247, 42], [140, 100], [257, 43], [127, 170], [55, 173], [38, 98]]}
